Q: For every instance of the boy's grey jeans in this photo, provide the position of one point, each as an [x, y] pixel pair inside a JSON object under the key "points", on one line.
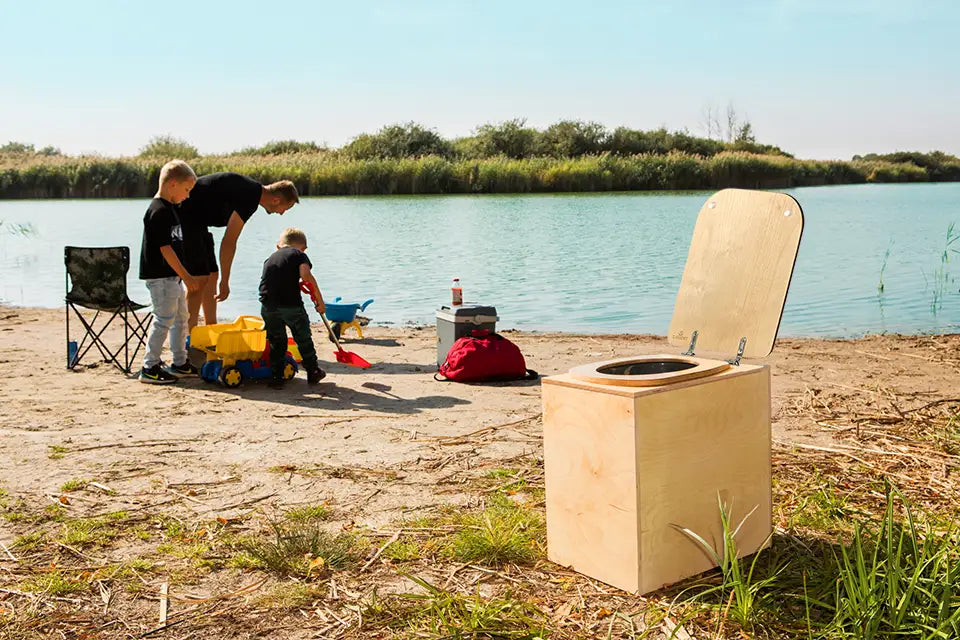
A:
{"points": [[169, 302]]}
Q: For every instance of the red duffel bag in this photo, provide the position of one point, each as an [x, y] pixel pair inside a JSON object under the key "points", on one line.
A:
{"points": [[484, 356]]}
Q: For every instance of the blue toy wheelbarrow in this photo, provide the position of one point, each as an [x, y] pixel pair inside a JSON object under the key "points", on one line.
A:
{"points": [[343, 316]]}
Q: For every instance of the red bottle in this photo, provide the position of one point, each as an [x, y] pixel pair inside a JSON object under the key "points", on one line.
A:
{"points": [[456, 292]]}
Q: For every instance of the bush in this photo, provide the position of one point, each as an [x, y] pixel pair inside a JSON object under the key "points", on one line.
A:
{"points": [[16, 147], [169, 148], [409, 140], [573, 138], [511, 139], [282, 147]]}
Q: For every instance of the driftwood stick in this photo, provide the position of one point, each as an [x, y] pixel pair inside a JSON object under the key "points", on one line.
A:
{"points": [[132, 445], [381, 549], [164, 601], [825, 449], [245, 502], [7, 551], [493, 427], [80, 553], [932, 404]]}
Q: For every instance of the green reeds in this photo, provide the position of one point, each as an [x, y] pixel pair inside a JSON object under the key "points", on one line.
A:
{"points": [[883, 267], [332, 173], [941, 275], [745, 595], [900, 580], [890, 577]]}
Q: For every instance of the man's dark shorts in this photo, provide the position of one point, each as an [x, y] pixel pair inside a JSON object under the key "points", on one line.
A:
{"points": [[199, 255]]}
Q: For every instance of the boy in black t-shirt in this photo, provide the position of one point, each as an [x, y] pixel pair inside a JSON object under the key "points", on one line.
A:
{"points": [[282, 305], [162, 271]]}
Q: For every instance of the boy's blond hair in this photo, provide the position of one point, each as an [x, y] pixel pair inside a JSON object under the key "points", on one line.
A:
{"points": [[285, 189], [177, 170], [292, 236]]}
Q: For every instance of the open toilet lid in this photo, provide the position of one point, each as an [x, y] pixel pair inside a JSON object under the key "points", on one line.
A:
{"points": [[738, 271]]}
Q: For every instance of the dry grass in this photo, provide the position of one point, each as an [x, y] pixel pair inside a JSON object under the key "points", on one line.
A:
{"points": [[476, 570]]}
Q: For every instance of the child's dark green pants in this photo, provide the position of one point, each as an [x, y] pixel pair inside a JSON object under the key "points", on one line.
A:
{"points": [[274, 321]]}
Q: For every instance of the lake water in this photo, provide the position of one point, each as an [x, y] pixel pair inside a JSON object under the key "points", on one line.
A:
{"points": [[593, 263]]}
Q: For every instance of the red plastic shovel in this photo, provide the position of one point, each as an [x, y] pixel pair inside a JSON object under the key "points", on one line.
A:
{"points": [[345, 357]]}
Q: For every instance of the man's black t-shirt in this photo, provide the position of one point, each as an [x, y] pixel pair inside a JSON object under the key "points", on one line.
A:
{"points": [[161, 227], [216, 196], [280, 282]]}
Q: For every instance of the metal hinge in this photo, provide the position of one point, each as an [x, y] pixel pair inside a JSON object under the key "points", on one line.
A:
{"points": [[693, 343], [736, 361]]}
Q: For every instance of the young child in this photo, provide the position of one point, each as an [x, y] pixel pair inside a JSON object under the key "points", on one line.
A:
{"points": [[282, 305], [161, 252]]}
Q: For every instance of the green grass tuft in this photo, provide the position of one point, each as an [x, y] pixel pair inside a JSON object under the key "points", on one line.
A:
{"points": [[56, 452], [308, 513], [52, 584], [301, 549], [437, 613], [289, 596], [74, 484], [500, 534]]}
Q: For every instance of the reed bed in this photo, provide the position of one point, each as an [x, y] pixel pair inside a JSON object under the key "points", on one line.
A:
{"points": [[329, 173]]}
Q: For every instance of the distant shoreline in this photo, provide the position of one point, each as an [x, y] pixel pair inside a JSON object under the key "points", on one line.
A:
{"points": [[24, 176]]}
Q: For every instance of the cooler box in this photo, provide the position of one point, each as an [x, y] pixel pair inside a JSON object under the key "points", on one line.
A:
{"points": [[459, 321]]}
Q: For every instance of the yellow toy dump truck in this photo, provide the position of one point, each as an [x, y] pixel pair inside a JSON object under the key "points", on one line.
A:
{"points": [[236, 351]]}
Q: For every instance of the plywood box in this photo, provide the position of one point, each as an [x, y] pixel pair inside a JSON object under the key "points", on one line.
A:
{"points": [[626, 466]]}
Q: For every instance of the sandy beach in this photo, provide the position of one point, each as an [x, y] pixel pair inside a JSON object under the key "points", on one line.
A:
{"points": [[375, 446]]}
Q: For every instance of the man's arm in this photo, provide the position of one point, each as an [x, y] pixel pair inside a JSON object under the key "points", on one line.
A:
{"points": [[193, 284], [307, 276], [228, 249]]}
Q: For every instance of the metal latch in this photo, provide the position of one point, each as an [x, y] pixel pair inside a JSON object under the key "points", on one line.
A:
{"points": [[693, 343], [736, 361]]}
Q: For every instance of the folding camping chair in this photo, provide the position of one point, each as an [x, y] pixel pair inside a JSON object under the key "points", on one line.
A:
{"points": [[99, 279]]}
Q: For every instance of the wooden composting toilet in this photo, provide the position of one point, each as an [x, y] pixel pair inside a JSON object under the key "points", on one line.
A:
{"points": [[637, 448]]}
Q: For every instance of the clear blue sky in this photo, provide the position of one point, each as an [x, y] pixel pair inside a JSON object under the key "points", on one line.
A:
{"points": [[820, 78]]}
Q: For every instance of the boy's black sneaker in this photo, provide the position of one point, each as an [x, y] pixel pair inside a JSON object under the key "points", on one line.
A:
{"points": [[156, 375], [185, 369], [276, 383], [316, 375]]}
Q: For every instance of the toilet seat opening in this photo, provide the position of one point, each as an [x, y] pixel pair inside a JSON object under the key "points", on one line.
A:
{"points": [[645, 367]]}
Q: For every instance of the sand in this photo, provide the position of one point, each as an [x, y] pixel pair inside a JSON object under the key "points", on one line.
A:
{"points": [[375, 444]]}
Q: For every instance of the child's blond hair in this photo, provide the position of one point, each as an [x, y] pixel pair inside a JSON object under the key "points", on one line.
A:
{"points": [[285, 189], [177, 170], [292, 236]]}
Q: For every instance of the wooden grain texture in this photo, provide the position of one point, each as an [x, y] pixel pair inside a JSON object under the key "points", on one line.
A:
{"points": [[568, 380], [624, 465], [737, 273], [590, 478], [695, 446]]}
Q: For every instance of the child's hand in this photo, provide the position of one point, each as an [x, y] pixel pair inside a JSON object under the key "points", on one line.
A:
{"points": [[319, 306], [193, 283]]}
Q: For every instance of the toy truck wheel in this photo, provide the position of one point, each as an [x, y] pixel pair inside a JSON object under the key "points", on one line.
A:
{"points": [[289, 370], [231, 377], [335, 328]]}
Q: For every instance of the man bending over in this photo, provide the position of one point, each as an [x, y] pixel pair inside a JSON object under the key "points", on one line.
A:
{"points": [[224, 200]]}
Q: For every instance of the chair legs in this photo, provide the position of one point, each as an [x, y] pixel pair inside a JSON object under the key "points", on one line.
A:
{"points": [[138, 331], [135, 328]]}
